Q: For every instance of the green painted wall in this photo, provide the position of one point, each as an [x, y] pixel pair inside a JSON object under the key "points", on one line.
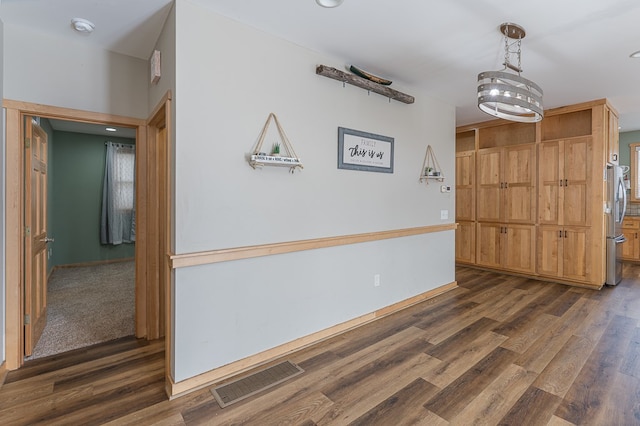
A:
{"points": [[627, 138], [76, 199]]}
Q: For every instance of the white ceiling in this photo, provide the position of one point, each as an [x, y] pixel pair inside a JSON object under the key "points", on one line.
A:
{"points": [[576, 50], [92, 129]]}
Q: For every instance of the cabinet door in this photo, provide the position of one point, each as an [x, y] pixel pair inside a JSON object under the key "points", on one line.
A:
{"points": [[519, 171], [518, 250], [576, 186], [577, 248], [466, 242], [628, 248], [549, 181], [465, 188], [488, 244], [550, 251], [489, 183]]}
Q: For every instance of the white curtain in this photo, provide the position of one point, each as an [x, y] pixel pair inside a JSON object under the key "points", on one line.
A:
{"points": [[117, 224]]}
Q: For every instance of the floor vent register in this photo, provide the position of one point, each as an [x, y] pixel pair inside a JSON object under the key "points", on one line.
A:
{"points": [[247, 386]]}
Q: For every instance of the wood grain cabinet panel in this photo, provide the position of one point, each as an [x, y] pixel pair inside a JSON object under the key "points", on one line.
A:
{"points": [[631, 247], [506, 246], [489, 182], [563, 252], [564, 182], [519, 171], [466, 242], [465, 186]]}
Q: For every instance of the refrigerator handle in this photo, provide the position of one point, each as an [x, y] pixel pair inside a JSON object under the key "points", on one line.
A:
{"points": [[624, 197]]}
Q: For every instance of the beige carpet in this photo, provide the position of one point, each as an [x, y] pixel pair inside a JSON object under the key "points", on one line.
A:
{"points": [[88, 305]]}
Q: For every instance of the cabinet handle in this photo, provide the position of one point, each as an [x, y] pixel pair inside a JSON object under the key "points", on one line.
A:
{"points": [[501, 185], [506, 184], [565, 234], [560, 234], [565, 182], [560, 182]]}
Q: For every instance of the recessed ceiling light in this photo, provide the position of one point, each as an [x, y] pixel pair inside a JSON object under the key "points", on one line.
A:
{"points": [[635, 54], [329, 3], [110, 129], [82, 25]]}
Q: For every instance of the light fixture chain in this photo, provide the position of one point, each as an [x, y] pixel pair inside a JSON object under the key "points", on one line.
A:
{"points": [[519, 55], [506, 50]]}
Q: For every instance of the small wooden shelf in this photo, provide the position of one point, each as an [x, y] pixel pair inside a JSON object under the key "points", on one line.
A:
{"points": [[257, 158], [431, 168], [363, 83]]}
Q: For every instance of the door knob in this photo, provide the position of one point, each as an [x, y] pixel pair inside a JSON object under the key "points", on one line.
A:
{"points": [[47, 240]]}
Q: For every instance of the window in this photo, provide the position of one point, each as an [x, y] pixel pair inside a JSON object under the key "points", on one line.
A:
{"points": [[118, 224], [124, 191]]}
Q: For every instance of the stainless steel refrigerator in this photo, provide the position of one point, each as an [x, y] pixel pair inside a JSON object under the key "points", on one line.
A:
{"points": [[614, 211]]}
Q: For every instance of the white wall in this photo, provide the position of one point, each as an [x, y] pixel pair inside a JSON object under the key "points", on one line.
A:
{"points": [[229, 77], [166, 44], [47, 70], [55, 71]]}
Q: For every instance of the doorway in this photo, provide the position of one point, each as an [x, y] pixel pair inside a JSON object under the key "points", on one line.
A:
{"points": [[149, 261], [90, 278]]}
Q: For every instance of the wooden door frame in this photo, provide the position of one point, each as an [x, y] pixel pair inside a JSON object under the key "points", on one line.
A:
{"points": [[156, 202], [14, 212]]}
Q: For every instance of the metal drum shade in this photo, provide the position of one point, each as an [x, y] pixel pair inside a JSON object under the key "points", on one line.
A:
{"points": [[509, 96]]}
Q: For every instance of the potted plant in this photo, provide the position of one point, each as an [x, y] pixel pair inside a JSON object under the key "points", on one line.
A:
{"points": [[428, 171], [275, 150]]}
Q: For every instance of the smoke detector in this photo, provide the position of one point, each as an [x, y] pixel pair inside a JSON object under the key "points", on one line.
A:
{"points": [[82, 25]]}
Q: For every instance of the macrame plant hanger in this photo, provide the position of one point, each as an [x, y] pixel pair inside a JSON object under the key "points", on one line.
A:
{"points": [[290, 159], [430, 167]]}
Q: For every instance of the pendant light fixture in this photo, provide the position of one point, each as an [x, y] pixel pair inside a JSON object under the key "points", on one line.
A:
{"points": [[508, 95], [329, 3]]}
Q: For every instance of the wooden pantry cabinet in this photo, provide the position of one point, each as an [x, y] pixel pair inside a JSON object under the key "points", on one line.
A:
{"points": [[505, 207], [573, 153], [539, 194], [466, 198]]}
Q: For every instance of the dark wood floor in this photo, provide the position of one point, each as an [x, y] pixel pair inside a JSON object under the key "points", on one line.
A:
{"points": [[497, 350]]}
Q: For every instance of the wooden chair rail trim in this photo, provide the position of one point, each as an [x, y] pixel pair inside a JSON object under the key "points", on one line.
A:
{"points": [[177, 389], [225, 255]]}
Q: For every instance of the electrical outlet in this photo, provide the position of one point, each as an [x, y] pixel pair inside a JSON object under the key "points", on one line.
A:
{"points": [[376, 280], [445, 188], [444, 214]]}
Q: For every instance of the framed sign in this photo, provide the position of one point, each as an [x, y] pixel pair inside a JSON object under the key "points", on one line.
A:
{"points": [[364, 151]]}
